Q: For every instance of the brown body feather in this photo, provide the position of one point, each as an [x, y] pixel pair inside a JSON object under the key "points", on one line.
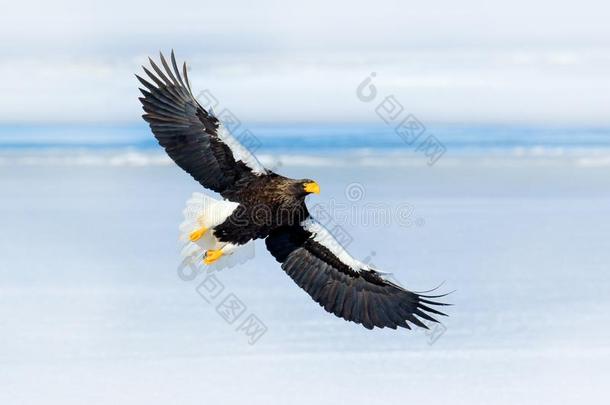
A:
{"points": [[266, 203]]}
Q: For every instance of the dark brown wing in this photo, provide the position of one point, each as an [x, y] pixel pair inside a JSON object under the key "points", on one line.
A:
{"points": [[191, 136], [342, 285]]}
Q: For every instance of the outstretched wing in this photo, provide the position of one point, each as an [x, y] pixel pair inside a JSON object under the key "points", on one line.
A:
{"points": [[341, 284], [191, 136]]}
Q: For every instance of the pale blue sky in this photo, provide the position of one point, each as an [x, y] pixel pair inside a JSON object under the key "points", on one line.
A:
{"points": [[470, 61]]}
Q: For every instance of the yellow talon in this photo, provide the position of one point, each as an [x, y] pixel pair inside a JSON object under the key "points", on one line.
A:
{"points": [[212, 255], [196, 235]]}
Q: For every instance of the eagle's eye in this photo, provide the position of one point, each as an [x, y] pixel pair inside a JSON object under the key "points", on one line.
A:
{"points": [[311, 187]]}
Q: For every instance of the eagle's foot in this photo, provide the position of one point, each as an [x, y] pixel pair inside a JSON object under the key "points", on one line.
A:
{"points": [[196, 235], [212, 255]]}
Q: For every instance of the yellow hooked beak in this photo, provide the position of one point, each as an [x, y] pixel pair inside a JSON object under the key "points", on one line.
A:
{"points": [[312, 187]]}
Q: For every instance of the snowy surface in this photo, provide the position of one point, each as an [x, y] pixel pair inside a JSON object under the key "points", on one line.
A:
{"points": [[92, 309]]}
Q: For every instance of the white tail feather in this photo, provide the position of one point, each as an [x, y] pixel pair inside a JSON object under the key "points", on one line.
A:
{"points": [[207, 212]]}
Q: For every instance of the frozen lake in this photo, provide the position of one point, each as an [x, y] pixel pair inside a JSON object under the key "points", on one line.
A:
{"points": [[92, 308]]}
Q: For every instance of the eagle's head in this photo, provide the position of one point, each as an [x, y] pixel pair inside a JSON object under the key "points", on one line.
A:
{"points": [[307, 186]]}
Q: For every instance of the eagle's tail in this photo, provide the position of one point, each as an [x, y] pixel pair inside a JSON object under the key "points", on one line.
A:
{"points": [[201, 215]]}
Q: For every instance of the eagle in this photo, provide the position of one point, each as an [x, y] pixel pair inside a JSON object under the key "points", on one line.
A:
{"points": [[258, 203]]}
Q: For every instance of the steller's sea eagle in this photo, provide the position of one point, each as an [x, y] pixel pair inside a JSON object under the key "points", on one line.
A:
{"points": [[260, 204]]}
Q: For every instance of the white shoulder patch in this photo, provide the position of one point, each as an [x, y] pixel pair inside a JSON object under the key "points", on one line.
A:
{"points": [[321, 235], [240, 152]]}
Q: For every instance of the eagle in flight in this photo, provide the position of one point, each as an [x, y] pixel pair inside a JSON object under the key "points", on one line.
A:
{"points": [[260, 204]]}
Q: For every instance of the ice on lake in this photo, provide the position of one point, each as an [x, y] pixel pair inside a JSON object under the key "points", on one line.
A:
{"points": [[92, 309]]}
